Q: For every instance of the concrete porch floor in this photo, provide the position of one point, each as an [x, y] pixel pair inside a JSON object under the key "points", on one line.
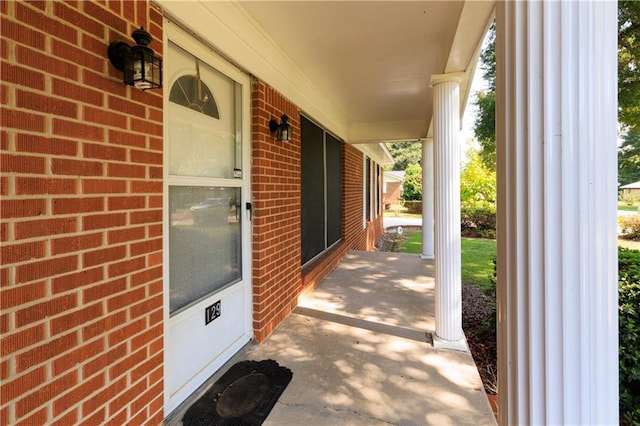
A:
{"points": [[361, 352]]}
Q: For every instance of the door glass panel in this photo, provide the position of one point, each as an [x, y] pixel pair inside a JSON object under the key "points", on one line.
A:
{"points": [[204, 241], [204, 120]]}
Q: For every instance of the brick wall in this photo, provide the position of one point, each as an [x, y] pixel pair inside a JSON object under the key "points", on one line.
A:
{"points": [[81, 218], [277, 279]]}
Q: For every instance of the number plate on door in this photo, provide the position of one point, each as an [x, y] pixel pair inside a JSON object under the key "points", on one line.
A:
{"points": [[211, 312]]}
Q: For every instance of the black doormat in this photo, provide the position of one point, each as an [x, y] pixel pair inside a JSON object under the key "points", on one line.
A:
{"points": [[243, 396]]}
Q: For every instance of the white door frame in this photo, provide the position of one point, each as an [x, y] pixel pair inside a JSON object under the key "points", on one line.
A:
{"points": [[180, 37]]}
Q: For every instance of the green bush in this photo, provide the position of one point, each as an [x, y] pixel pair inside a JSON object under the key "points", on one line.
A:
{"points": [[629, 333], [630, 227], [478, 222], [412, 185]]}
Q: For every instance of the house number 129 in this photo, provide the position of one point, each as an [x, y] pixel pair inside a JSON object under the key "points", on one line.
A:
{"points": [[211, 312]]}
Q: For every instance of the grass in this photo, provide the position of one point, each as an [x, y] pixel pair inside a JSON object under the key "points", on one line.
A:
{"points": [[625, 207], [477, 257]]}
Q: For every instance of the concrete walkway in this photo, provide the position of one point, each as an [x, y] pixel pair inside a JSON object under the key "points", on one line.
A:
{"points": [[360, 350]]}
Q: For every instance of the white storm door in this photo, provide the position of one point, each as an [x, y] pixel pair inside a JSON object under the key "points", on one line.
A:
{"points": [[207, 225]]}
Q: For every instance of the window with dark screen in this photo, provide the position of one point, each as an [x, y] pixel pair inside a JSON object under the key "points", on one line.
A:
{"points": [[321, 190]]}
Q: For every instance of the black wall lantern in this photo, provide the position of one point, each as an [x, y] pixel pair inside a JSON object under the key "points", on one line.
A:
{"points": [[282, 130], [141, 68]]}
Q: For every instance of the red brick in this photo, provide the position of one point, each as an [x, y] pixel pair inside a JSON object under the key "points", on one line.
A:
{"points": [[36, 185], [102, 221], [22, 164], [22, 384], [126, 170], [45, 145], [12, 119], [46, 268], [15, 31], [45, 309], [20, 252], [105, 17], [65, 166], [126, 106], [48, 64], [118, 137], [78, 92], [76, 129], [44, 227], [96, 419], [102, 256], [23, 207], [147, 337], [78, 20], [103, 186], [100, 363], [125, 398], [78, 356], [106, 117], [71, 418], [104, 152], [146, 276], [71, 320], [19, 295], [46, 104], [146, 157], [146, 247], [127, 299], [78, 394], [146, 127], [120, 335], [147, 216], [75, 243], [146, 187], [128, 234], [46, 24], [37, 418], [143, 400], [126, 267], [103, 291], [21, 76], [45, 394], [98, 82], [103, 325], [19, 340], [77, 205], [76, 280], [126, 203]]}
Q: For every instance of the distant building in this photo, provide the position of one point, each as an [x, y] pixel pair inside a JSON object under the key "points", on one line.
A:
{"points": [[392, 188], [632, 189]]}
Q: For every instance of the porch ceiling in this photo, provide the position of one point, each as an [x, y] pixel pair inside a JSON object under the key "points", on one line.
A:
{"points": [[374, 60]]}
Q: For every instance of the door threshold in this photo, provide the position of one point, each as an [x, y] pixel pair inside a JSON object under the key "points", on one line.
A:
{"points": [[175, 417]]}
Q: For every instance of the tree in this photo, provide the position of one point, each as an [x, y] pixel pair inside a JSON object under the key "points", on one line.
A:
{"points": [[629, 157], [477, 183], [405, 154], [484, 126], [629, 63], [412, 186]]}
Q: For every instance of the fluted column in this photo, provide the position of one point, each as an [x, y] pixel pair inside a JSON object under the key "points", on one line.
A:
{"points": [[446, 140], [557, 248], [427, 199]]}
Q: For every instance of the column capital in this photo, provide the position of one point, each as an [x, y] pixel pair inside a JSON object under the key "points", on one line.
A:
{"points": [[456, 77]]}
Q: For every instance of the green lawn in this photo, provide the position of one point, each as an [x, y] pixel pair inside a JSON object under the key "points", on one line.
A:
{"points": [[624, 206], [477, 257]]}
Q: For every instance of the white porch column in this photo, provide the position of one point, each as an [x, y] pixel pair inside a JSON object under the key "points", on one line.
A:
{"points": [[427, 198], [557, 248], [446, 135]]}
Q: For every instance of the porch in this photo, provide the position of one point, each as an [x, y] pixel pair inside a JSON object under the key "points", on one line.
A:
{"points": [[361, 352]]}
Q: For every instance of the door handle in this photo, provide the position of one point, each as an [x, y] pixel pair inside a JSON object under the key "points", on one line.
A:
{"points": [[249, 207]]}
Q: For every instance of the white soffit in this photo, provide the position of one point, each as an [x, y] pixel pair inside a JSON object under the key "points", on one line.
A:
{"points": [[359, 68]]}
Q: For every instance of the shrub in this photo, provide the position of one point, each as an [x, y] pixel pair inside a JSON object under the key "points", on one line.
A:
{"points": [[412, 185], [630, 227], [629, 333], [478, 222]]}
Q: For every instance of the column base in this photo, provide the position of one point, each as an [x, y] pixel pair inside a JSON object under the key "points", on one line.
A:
{"points": [[452, 345], [427, 256]]}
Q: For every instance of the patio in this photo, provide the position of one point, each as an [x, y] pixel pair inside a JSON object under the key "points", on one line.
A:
{"points": [[361, 352]]}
